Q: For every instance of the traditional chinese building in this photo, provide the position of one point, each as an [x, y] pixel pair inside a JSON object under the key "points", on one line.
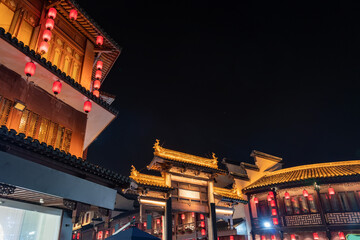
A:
{"points": [[53, 59], [317, 201]]}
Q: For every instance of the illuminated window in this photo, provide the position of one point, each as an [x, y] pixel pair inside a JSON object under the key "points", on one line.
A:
{"points": [[25, 32], [5, 108], [6, 16]]}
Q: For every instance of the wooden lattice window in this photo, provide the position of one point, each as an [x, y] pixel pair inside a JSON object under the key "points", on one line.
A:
{"points": [[5, 108], [29, 123]]}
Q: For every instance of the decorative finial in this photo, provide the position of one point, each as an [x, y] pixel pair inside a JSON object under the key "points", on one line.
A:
{"points": [[133, 171], [157, 146]]}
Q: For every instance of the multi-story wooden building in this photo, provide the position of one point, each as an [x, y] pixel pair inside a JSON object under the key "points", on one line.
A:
{"points": [[53, 59], [317, 201]]}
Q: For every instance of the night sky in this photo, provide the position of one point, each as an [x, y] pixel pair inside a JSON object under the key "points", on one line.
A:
{"points": [[274, 76]]}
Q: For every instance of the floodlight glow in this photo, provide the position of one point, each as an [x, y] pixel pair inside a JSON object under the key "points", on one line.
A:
{"points": [[267, 224]]}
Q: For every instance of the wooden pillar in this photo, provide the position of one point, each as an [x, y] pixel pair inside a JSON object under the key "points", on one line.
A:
{"points": [[168, 220], [321, 210], [251, 217], [212, 231]]}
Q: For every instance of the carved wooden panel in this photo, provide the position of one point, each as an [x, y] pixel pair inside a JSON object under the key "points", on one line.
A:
{"points": [[343, 218], [301, 220]]}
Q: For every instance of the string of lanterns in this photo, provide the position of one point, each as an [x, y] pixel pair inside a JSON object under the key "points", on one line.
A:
{"points": [[315, 236]]}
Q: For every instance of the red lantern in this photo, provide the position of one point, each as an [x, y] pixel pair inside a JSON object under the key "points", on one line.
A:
{"points": [[202, 224], [44, 47], [99, 40], [273, 203], [305, 193], [97, 84], [341, 236], [158, 221], [202, 217], [193, 214], [78, 236], [273, 212], [56, 87], [73, 236], [269, 198], [145, 224], [47, 35], [263, 237], [293, 237], [100, 235], [271, 194], [256, 200], [231, 237], [96, 93], [98, 74], [273, 237], [52, 13], [49, 25], [287, 196], [99, 65], [331, 191], [73, 14], [310, 198], [30, 69], [203, 232], [275, 221], [183, 216], [316, 236], [87, 106]]}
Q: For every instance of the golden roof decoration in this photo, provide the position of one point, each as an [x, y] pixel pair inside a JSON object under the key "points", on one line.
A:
{"points": [[146, 179], [233, 193], [305, 172], [184, 157]]}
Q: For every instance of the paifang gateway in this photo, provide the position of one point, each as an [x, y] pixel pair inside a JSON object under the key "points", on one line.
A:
{"points": [[53, 60]]}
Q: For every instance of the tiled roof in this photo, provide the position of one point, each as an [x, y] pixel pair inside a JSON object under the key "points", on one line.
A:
{"points": [[317, 172], [54, 70], [230, 194], [184, 157], [148, 180], [59, 156]]}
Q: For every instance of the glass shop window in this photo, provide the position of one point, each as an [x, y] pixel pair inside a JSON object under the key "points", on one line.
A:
{"points": [[5, 108], [51, 133], [6, 16]]}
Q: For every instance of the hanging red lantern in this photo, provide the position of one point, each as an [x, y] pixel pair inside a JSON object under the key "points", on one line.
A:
{"points": [[99, 65], [293, 237], [231, 237], [341, 236], [99, 40], [49, 24], [78, 236], [100, 235], [273, 212], [56, 87], [315, 236], [269, 198], [47, 35], [87, 106], [193, 214], [202, 217], [96, 93], [73, 236], [183, 216], [98, 74], [310, 198], [287, 196], [305, 193], [272, 203], [275, 221], [271, 194], [73, 14], [256, 200], [263, 237], [331, 191], [44, 47], [158, 221], [202, 224], [203, 232], [273, 237], [52, 13], [145, 224], [30, 69], [96, 84]]}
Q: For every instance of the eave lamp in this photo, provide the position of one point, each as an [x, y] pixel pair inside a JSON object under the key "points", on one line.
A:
{"points": [[231, 237], [30, 69], [203, 232], [316, 236], [99, 40], [96, 93], [99, 65], [331, 191], [183, 216], [273, 237], [44, 47], [292, 237], [256, 200], [47, 35], [87, 106], [73, 14], [49, 24], [98, 75], [287, 196], [275, 221], [341, 236], [96, 84], [57, 87], [305, 193], [52, 13]]}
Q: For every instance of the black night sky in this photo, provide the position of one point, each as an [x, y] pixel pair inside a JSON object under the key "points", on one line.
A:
{"points": [[230, 77]]}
